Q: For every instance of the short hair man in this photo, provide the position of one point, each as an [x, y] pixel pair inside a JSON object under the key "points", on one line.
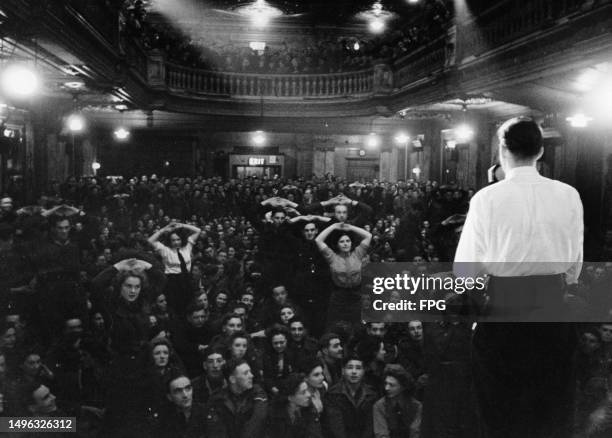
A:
{"points": [[212, 378], [183, 417], [240, 409], [331, 352], [525, 217], [348, 403]]}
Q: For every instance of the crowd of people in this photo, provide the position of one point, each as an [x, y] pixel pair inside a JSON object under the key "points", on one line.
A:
{"points": [[202, 307], [319, 52]]}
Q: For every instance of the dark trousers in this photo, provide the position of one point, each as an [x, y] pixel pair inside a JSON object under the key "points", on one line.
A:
{"points": [[523, 371]]}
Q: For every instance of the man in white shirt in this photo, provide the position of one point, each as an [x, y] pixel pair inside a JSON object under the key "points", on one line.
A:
{"points": [[526, 233]]}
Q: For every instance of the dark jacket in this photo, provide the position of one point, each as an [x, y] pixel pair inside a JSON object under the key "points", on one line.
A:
{"points": [[237, 416], [397, 418], [346, 417], [173, 423], [307, 424]]}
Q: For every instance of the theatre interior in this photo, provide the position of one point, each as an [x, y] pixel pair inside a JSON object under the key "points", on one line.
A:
{"points": [[355, 89], [138, 118]]}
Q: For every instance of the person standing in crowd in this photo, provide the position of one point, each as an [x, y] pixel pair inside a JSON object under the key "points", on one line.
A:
{"points": [[533, 227], [345, 266], [128, 338], [398, 413], [291, 413], [311, 283], [177, 263]]}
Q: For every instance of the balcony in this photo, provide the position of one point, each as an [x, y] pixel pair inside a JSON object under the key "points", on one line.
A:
{"points": [[290, 86]]}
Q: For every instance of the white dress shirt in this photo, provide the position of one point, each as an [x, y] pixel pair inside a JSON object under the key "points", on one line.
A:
{"points": [[524, 225], [170, 259]]}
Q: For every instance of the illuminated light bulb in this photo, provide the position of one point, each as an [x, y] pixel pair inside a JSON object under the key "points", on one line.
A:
{"points": [[463, 133], [401, 138], [259, 138], [121, 133], [76, 123], [19, 81], [579, 120], [95, 165], [451, 144], [377, 25], [373, 140]]}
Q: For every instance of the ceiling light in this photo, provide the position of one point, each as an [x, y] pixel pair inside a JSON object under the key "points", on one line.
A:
{"points": [[463, 133], [402, 138], [416, 171], [259, 138], [579, 120], [121, 107], [76, 123], [121, 133], [19, 81], [95, 165], [377, 25], [373, 140], [356, 46], [451, 144], [260, 12], [74, 85], [413, 2]]}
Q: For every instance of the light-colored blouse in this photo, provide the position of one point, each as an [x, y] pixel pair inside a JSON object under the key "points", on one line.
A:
{"points": [[346, 269]]}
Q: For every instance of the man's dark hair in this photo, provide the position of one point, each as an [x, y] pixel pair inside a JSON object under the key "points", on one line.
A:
{"points": [[172, 377], [54, 219], [522, 136], [238, 305], [230, 367], [229, 316], [193, 307], [297, 318], [326, 339], [352, 356], [214, 349]]}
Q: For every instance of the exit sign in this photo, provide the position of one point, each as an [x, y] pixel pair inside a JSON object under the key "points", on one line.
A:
{"points": [[256, 161]]}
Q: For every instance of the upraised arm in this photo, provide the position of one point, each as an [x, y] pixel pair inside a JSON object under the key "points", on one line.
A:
{"points": [[320, 239], [155, 236], [195, 231], [365, 235]]}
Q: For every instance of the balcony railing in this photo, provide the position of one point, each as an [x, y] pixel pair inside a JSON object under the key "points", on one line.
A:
{"points": [[512, 19], [357, 83]]}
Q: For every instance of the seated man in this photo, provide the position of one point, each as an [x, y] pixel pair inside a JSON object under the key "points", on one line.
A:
{"points": [[183, 418], [240, 409], [348, 404], [211, 379]]}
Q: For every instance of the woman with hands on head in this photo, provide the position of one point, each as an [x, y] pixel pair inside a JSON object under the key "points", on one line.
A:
{"points": [[345, 264], [176, 258]]}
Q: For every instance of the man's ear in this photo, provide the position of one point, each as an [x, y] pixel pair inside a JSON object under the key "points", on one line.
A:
{"points": [[168, 397]]}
